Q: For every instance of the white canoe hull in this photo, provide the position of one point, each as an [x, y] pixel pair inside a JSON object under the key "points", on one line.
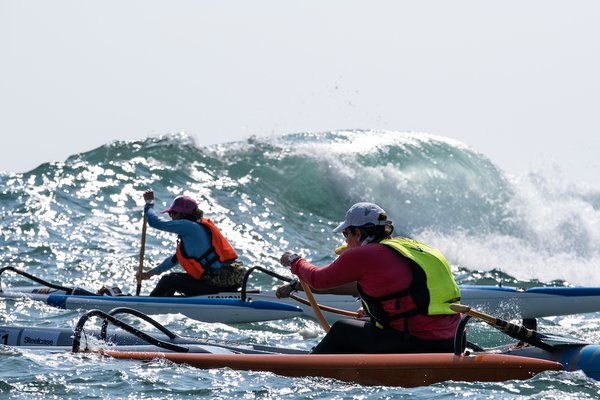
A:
{"points": [[505, 302], [198, 308]]}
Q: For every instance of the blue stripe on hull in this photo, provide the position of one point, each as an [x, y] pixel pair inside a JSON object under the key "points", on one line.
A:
{"points": [[566, 291], [554, 291], [59, 301]]}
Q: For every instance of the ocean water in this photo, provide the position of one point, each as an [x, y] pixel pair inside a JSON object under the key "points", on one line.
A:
{"points": [[78, 222]]}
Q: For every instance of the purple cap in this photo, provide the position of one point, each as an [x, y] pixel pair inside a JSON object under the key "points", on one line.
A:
{"points": [[182, 204]]}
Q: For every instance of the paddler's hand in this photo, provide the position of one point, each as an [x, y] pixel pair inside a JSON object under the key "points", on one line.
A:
{"points": [[285, 258], [149, 195], [288, 258], [149, 199], [286, 290], [144, 275]]}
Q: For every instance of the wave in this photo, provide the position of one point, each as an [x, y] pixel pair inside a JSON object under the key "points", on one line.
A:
{"points": [[274, 193]]}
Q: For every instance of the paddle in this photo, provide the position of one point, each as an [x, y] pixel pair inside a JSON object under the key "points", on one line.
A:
{"points": [[315, 306], [326, 308], [142, 250], [293, 296], [518, 332]]}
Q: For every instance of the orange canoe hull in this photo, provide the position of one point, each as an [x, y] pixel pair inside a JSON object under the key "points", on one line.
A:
{"points": [[408, 370]]}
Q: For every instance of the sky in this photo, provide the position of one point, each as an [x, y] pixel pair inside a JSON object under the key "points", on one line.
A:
{"points": [[517, 81]]}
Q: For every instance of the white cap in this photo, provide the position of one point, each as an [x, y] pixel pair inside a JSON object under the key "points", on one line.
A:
{"points": [[362, 214]]}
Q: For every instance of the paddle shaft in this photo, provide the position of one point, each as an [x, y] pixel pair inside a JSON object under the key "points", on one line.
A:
{"points": [[505, 326], [315, 306], [142, 250], [326, 308], [515, 331]]}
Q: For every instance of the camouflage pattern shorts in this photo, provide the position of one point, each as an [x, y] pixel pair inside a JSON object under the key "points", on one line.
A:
{"points": [[229, 276]]}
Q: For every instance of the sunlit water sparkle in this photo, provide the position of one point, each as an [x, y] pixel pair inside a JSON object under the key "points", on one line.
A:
{"points": [[79, 222]]}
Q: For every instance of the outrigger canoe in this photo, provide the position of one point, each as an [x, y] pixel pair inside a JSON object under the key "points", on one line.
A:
{"points": [[506, 302], [257, 305], [228, 307], [225, 310], [407, 370], [202, 308]]}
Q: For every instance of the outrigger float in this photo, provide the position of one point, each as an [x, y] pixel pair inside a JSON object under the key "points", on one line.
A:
{"points": [[253, 305], [535, 354]]}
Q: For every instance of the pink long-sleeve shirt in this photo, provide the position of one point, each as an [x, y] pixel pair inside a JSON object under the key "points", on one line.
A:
{"points": [[379, 270]]}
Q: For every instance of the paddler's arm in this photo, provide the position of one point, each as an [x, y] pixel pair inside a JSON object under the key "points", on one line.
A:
{"points": [[156, 222], [285, 290], [167, 264], [293, 286]]}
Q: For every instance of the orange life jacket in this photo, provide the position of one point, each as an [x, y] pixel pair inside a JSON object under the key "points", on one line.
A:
{"points": [[220, 250]]}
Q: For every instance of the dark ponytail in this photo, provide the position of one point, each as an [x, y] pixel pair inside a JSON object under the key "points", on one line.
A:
{"points": [[376, 233], [196, 215]]}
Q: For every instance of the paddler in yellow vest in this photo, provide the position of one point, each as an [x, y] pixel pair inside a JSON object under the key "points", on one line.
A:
{"points": [[209, 261], [406, 288]]}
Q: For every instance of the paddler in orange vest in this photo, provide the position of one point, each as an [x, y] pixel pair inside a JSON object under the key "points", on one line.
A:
{"points": [[209, 261]]}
